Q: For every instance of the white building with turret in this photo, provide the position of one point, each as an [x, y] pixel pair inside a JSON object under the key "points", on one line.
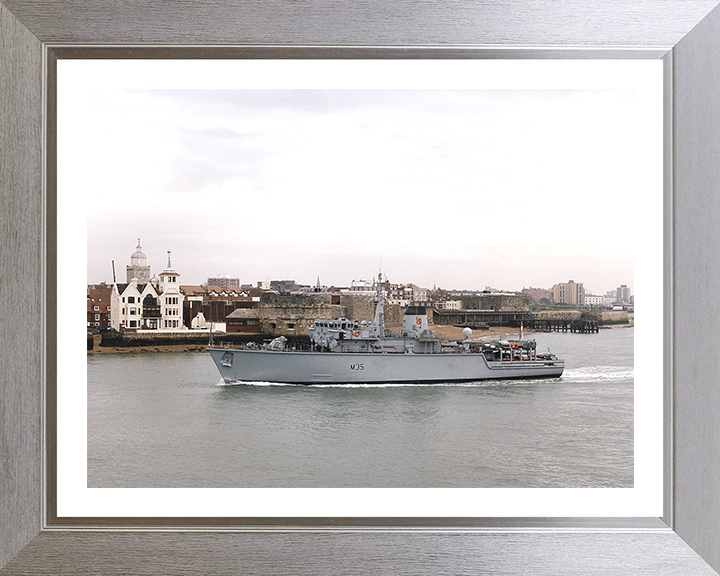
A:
{"points": [[145, 303], [171, 299]]}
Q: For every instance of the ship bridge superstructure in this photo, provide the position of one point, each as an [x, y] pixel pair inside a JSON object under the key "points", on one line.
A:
{"points": [[344, 335]]}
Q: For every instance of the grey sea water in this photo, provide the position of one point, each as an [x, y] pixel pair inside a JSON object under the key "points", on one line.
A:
{"points": [[165, 420]]}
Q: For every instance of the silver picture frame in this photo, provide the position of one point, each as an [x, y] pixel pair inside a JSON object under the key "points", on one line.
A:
{"points": [[685, 34]]}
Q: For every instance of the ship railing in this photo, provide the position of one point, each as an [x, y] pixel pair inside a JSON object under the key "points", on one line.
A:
{"points": [[289, 347]]}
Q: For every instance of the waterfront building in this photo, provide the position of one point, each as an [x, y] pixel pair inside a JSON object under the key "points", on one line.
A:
{"points": [[594, 300], [215, 303], [153, 304], [134, 306], [98, 305], [569, 293], [244, 320]]}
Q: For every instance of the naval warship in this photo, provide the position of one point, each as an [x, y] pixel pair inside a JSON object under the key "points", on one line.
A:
{"points": [[344, 351]]}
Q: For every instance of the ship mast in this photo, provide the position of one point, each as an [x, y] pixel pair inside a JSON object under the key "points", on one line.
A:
{"points": [[380, 307]]}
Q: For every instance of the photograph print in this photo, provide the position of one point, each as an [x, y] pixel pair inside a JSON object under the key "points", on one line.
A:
{"points": [[331, 287]]}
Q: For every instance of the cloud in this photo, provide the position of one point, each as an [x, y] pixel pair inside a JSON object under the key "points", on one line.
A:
{"points": [[298, 182]]}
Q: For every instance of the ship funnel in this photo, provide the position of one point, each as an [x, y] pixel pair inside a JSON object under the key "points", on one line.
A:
{"points": [[415, 319]]}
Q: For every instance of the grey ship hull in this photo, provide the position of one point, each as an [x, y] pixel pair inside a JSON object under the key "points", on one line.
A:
{"points": [[359, 368]]}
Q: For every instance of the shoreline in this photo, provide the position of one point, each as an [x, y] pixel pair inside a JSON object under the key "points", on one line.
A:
{"points": [[447, 331]]}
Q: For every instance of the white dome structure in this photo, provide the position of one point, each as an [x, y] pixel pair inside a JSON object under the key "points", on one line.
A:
{"points": [[138, 268], [138, 258]]}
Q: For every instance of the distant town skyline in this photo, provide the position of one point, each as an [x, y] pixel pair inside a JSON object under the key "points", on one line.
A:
{"points": [[457, 188], [308, 280]]}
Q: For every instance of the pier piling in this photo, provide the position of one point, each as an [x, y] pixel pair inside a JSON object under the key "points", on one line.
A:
{"points": [[578, 326]]}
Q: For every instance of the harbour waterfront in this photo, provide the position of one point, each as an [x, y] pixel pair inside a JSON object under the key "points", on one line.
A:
{"points": [[164, 420]]}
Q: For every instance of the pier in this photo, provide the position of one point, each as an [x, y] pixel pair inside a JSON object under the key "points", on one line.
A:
{"points": [[568, 322], [579, 325]]}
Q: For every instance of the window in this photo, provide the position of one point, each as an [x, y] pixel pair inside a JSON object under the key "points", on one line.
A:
{"points": [[96, 308], [97, 316], [132, 311], [133, 324], [131, 299]]}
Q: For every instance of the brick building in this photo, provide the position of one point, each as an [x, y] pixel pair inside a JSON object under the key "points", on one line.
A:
{"points": [[98, 306]]}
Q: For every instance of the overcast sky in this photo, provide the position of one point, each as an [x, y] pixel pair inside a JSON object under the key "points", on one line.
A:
{"points": [[447, 188]]}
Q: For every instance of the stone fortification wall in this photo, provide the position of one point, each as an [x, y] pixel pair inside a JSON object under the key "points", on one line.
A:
{"points": [[159, 338], [288, 315], [271, 299], [560, 314], [394, 315], [497, 302], [358, 307], [291, 315], [604, 317], [614, 317]]}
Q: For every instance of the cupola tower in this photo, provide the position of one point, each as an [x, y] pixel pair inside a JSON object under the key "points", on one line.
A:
{"points": [[138, 266]]}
